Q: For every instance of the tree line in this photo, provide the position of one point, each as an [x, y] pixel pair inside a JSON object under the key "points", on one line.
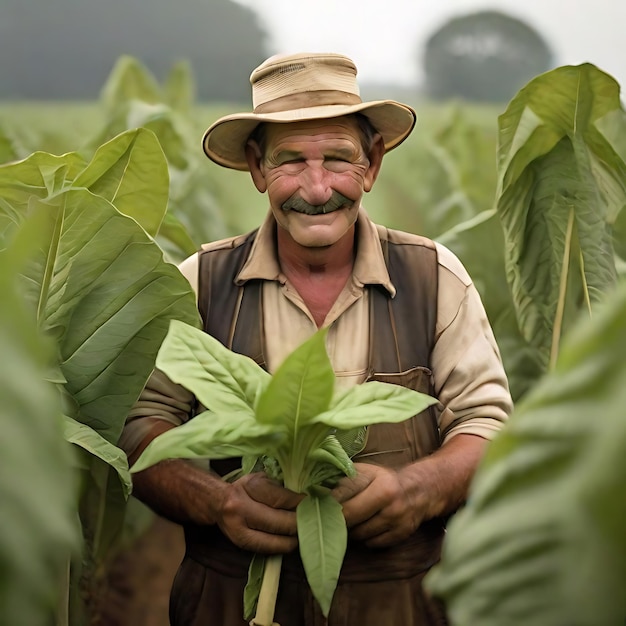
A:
{"points": [[66, 49]]}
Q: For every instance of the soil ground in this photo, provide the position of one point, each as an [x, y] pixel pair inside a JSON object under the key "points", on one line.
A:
{"points": [[140, 578]]}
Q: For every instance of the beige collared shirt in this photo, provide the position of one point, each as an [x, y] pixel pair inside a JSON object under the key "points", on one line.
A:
{"points": [[468, 375]]}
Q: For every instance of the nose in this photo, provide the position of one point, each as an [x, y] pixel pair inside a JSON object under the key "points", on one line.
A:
{"points": [[315, 184]]}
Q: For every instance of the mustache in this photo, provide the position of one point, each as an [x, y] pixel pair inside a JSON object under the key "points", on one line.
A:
{"points": [[298, 204]]}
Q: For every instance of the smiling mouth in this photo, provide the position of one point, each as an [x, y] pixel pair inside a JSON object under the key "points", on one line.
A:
{"points": [[314, 210]]}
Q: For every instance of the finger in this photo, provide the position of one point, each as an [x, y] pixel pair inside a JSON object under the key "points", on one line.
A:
{"points": [[241, 510], [274, 521], [262, 542], [381, 531], [375, 498], [263, 489]]}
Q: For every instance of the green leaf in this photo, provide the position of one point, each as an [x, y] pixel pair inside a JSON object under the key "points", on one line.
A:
{"points": [[374, 402], [222, 380], [323, 538], [37, 488], [40, 175], [541, 540], [88, 439], [561, 185], [479, 243], [172, 231], [8, 147], [129, 80], [331, 462], [102, 510], [301, 387], [180, 88], [352, 441], [212, 436], [253, 586], [168, 128], [108, 321], [130, 171]]}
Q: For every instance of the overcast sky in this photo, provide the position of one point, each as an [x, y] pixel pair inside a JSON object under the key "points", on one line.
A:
{"points": [[386, 37]]}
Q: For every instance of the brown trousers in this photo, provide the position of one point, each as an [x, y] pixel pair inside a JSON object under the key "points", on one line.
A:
{"points": [[209, 597]]}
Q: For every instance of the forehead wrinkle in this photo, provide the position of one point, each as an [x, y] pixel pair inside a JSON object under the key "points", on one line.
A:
{"points": [[286, 148]]}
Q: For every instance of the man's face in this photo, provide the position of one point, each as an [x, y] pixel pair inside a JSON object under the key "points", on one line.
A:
{"points": [[315, 174]]}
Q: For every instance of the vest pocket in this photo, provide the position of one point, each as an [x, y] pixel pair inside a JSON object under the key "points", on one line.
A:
{"points": [[395, 445]]}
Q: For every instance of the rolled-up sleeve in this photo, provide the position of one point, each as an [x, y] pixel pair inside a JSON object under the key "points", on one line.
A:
{"points": [[161, 399], [469, 377]]}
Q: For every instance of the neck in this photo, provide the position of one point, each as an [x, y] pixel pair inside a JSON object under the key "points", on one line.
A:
{"points": [[318, 274]]}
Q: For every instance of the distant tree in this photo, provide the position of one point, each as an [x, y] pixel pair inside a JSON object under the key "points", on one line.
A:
{"points": [[483, 56], [65, 49]]}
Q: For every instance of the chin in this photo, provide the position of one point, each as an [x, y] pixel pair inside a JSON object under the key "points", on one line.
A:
{"points": [[318, 237]]}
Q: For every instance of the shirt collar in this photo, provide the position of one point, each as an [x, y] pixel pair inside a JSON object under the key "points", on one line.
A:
{"points": [[369, 266]]}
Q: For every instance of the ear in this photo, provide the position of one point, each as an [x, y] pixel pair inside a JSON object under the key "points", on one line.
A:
{"points": [[375, 157], [253, 157]]}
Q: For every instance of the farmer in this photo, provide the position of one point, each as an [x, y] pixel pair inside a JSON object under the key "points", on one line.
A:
{"points": [[399, 307]]}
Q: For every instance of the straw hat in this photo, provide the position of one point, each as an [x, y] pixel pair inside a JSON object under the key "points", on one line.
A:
{"points": [[298, 87]]}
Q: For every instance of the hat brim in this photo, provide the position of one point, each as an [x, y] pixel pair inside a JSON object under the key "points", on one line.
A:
{"points": [[225, 140]]}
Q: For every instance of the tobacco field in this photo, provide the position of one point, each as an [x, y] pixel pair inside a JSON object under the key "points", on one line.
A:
{"points": [[100, 200]]}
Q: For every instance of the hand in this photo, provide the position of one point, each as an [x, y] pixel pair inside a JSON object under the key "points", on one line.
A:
{"points": [[380, 506], [258, 514]]}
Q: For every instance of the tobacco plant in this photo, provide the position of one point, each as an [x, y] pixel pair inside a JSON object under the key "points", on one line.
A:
{"points": [[291, 424]]}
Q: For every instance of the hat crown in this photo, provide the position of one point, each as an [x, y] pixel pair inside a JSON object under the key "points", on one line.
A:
{"points": [[282, 77]]}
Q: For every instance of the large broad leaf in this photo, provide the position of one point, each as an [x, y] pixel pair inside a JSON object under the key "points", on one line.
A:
{"points": [[129, 80], [302, 386], [97, 446], [561, 185], [180, 87], [479, 243], [174, 238], [39, 175], [323, 538], [374, 402], [542, 538], [130, 171], [212, 436], [102, 289], [37, 488], [222, 380]]}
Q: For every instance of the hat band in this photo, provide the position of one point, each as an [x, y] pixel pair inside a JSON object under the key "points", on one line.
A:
{"points": [[304, 100]]}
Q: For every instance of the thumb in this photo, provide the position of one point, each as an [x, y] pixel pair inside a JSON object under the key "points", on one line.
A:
{"points": [[349, 487]]}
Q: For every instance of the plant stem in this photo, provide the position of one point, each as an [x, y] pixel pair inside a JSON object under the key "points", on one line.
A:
{"points": [[560, 309], [584, 281], [269, 590]]}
